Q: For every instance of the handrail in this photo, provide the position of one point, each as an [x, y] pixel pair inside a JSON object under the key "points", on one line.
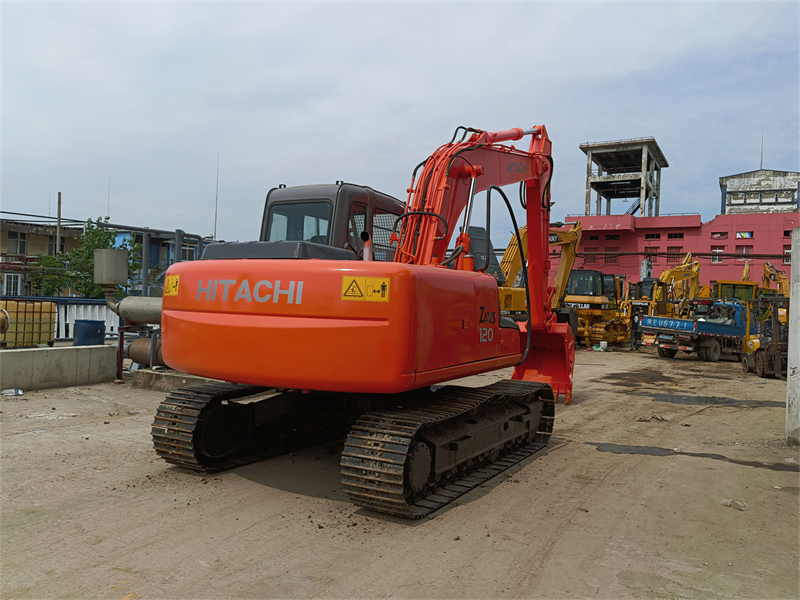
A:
{"points": [[639, 139]]}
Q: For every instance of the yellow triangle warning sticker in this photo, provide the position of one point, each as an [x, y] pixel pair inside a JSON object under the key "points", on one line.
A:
{"points": [[365, 289], [353, 291]]}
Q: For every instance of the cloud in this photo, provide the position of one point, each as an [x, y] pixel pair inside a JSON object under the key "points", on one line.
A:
{"points": [[147, 95]]}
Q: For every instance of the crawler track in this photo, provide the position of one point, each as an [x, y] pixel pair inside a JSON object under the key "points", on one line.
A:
{"points": [[209, 428], [378, 452], [181, 436]]}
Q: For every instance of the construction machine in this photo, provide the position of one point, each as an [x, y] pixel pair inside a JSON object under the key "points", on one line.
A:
{"points": [[746, 271], [597, 299], [743, 289], [512, 293], [683, 282], [766, 352], [590, 307], [667, 296], [313, 340], [779, 277], [739, 290]]}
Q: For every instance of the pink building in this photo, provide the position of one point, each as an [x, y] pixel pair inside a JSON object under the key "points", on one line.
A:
{"points": [[721, 245]]}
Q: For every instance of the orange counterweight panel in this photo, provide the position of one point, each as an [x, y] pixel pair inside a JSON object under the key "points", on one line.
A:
{"points": [[347, 326]]}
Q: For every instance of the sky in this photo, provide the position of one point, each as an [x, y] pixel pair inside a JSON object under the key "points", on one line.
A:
{"points": [[147, 95]]}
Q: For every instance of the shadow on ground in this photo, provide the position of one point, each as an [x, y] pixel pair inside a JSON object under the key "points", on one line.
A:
{"points": [[655, 451]]}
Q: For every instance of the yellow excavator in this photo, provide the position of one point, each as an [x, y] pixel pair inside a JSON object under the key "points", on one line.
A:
{"points": [[779, 277], [587, 300], [683, 281], [512, 295], [669, 295], [744, 290]]}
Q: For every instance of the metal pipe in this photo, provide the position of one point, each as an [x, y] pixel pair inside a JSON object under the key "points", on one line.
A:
{"points": [[145, 265], [136, 309], [470, 201], [58, 229], [178, 245], [368, 255], [120, 354], [145, 351]]}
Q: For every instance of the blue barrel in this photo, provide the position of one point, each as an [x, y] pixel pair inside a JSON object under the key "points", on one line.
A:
{"points": [[89, 333]]}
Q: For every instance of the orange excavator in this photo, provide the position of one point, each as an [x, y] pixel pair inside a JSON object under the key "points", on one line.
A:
{"points": [[315, 340]]}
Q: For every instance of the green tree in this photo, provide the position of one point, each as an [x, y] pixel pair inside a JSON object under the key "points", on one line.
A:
{"points": [[52, 272], [81, 260]]}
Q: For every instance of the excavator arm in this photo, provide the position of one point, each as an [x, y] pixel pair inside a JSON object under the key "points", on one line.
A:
{"points": [[511, 264], [447, 185], [683, 280], [568, 240], [779, 277]]}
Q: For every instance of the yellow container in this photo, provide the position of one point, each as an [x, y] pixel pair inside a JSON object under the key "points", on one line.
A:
{"points": [[30, 323]]}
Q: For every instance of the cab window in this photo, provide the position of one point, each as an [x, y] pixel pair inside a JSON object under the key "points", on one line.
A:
{"points": [[382, 225], [356, 223], [302, 221]]}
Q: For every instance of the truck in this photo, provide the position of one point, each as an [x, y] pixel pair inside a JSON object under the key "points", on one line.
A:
{"points": [[714, 327]]}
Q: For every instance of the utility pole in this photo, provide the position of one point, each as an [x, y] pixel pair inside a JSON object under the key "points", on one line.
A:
{"points": [[216, 201], [793, 360], [108, 210], [58, 226]]}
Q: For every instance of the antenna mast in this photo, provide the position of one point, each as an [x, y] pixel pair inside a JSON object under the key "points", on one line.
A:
{"points": [[762, 152]]}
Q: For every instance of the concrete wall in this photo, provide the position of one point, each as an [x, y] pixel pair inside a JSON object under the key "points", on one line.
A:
{"points": [[42, 368]]}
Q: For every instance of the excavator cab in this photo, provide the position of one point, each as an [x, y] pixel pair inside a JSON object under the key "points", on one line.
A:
{"points": [[332, 215], [736, 290]]}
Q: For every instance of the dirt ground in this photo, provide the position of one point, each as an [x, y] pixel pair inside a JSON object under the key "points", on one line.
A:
{"points": [[626, 502]]}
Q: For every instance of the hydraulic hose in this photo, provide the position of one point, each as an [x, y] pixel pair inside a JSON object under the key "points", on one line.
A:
{"points": [[546, 193], [456, 253], [524, 263]]}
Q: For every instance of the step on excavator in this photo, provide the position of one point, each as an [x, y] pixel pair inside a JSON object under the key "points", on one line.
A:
{"points": [[314, 342]]}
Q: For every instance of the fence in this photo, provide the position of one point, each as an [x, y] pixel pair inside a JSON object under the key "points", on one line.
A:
{"points": [[68, 310]]}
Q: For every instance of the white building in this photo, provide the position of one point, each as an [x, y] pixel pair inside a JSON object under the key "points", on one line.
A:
{"points": [[761, 191]]}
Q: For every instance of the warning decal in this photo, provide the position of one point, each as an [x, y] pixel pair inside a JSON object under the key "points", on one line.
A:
{"points": [[171, 285], [367, 289]]}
